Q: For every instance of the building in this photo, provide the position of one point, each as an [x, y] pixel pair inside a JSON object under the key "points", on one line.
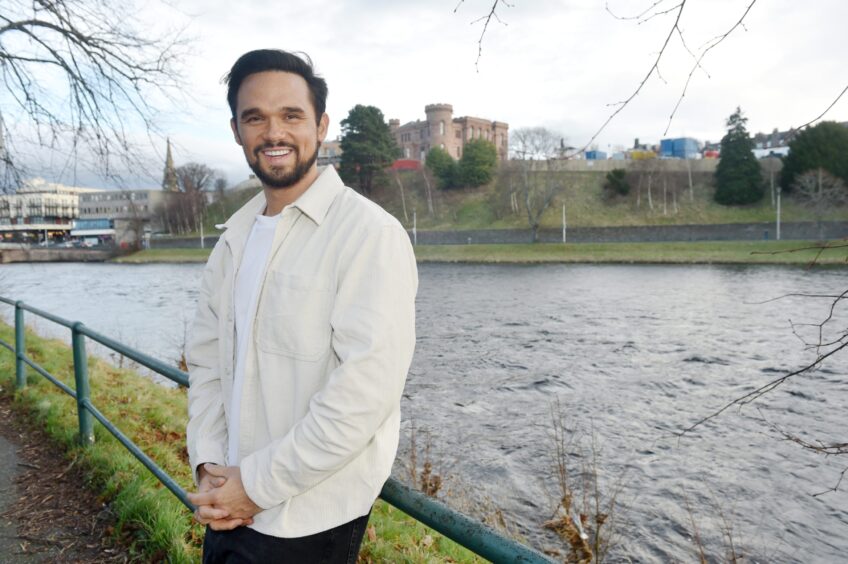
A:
{"points": [[39, 212], [330, 153], [441, 129], [122, 217], [680, 148]]}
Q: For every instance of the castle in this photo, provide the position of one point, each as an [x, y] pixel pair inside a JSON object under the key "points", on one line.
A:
{"points": [[441, 129]]}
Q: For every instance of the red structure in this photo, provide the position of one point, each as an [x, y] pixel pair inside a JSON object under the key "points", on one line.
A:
{"points": [[406, 164]]}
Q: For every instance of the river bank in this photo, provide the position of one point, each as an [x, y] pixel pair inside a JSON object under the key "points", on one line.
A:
{"points": [[799, 253], [148, 517]]}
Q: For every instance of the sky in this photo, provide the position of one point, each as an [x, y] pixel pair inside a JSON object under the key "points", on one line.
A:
{"points": [[558, 64]]}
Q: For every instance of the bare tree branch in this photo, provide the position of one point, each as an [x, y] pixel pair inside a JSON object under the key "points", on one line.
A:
{"points": [[817, 447], [821, 115], [112, 74], [762, 390], [486, 20], [710, 45]]}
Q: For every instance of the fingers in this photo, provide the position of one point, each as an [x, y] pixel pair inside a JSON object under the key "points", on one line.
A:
{"points": [[215, 470], [217, 481], [205, 514], [228, 524], [202, 498]]}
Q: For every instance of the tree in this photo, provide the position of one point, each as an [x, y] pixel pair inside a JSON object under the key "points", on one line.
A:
{"points": [[442, 165], [82, 75], [367, 147], [531, 172], [183, 210], [820, 191], [824, 146], [616, 183], [478, 163], [738, 178], [195, 177]]}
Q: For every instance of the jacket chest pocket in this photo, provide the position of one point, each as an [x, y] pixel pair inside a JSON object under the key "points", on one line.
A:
{"points": [[293, 316]]}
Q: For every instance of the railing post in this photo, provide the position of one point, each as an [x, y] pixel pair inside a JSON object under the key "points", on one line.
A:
{"points": [[20, 347], [86, 422]]}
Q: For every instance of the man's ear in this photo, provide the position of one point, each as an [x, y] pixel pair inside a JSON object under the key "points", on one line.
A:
{"points": [[234, 127], [323, 125]]}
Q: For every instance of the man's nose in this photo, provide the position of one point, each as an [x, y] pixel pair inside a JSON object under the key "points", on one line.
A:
{"points": [[277, 130]]}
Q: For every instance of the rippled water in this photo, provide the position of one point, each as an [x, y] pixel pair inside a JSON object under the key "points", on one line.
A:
{"points": [[631, 354]]}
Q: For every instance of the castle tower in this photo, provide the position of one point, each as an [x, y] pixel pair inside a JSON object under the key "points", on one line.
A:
{"points": [[169, 178], [440, 122]]}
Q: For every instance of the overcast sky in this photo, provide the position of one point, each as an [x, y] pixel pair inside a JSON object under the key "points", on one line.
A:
{"points": [[558, 64]]}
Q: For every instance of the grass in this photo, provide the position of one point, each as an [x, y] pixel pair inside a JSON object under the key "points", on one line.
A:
{"points": [[701, 252], [166, 255], [149, 517], [707, 252], [582, 194]]}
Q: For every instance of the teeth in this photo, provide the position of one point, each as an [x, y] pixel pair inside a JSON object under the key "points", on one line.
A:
{"points": [[278, 152]]}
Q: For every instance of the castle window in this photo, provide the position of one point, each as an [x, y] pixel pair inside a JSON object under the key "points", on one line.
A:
{"points": [[441, 127]]}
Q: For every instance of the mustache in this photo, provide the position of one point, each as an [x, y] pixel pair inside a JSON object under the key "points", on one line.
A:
{"points": [[261, 148]]}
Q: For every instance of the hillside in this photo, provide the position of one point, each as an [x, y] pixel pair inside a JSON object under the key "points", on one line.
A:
{"points": [[582, 193]]}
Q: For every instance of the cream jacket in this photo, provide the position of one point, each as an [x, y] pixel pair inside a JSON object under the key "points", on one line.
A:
{"points": [[332, 343]]}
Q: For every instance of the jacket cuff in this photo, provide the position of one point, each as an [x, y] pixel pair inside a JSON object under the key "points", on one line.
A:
{"points": [[261, 487], [206, 451]]}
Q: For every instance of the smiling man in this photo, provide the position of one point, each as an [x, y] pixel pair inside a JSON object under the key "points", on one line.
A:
{"points": [[302, 340]]}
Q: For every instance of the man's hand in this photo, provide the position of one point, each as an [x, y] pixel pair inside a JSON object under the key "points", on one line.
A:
{"points": [[221, 500]]}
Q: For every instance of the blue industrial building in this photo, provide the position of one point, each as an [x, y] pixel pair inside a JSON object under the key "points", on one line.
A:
{"points": [[679, 148]]}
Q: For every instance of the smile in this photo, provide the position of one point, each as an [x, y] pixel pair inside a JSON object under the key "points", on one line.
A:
{"points": [[277, 152]]}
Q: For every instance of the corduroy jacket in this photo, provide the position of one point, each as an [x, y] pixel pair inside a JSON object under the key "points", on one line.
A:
{"points": [[333, 338]]}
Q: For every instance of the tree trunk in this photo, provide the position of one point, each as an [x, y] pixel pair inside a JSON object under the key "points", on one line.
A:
{"points": [[771, 183], [691, 186], [429, 193], [650, 199], [402, 196]]}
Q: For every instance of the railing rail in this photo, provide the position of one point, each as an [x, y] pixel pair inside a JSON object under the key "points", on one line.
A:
{"points": [[473, 535]]}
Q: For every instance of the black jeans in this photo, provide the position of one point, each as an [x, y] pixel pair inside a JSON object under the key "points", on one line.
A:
{"points": [[243, 545]]}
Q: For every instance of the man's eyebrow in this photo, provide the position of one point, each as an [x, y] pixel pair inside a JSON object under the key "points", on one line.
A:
{"points": [[249, 112], [283, 110]]}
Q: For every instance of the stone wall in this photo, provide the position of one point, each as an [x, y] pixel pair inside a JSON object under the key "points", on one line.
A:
{"points": [[56, 255], [811, 231], [656, 233]]}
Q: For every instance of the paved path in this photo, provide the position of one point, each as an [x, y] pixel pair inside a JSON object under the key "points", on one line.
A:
{"points": [[10, 550], [45, 516]]}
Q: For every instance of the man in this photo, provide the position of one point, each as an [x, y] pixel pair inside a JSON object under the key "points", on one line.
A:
{"points": [[303, 337]]}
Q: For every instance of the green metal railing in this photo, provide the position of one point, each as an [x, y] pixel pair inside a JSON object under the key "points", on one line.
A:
{"points": [[473, 535]]}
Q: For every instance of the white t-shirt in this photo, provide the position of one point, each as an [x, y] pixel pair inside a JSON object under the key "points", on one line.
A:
{"points": [[246, 291]]}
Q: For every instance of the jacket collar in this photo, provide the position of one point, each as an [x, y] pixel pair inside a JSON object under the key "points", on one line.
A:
{"points": [[314, 203]]}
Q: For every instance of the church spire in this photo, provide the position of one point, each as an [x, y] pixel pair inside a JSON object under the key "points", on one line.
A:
{"points": [[169, 179]]}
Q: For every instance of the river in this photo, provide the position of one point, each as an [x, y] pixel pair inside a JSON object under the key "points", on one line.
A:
{"points": [[626, 355]]}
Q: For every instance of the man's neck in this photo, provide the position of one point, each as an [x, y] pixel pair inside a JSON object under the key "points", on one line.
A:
{"points": [[278, 198]]}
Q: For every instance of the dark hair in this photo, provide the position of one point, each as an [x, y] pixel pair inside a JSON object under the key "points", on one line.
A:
{"points": [[263, 60]]}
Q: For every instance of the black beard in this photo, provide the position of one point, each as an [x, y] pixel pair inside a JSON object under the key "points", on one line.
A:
{"points": [[290, 178]]}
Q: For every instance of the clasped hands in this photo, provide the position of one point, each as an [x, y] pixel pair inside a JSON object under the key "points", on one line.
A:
{"points": [[220, 500]]}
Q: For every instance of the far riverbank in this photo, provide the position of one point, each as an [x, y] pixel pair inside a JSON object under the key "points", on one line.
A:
{"points": [[703, 252]]}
